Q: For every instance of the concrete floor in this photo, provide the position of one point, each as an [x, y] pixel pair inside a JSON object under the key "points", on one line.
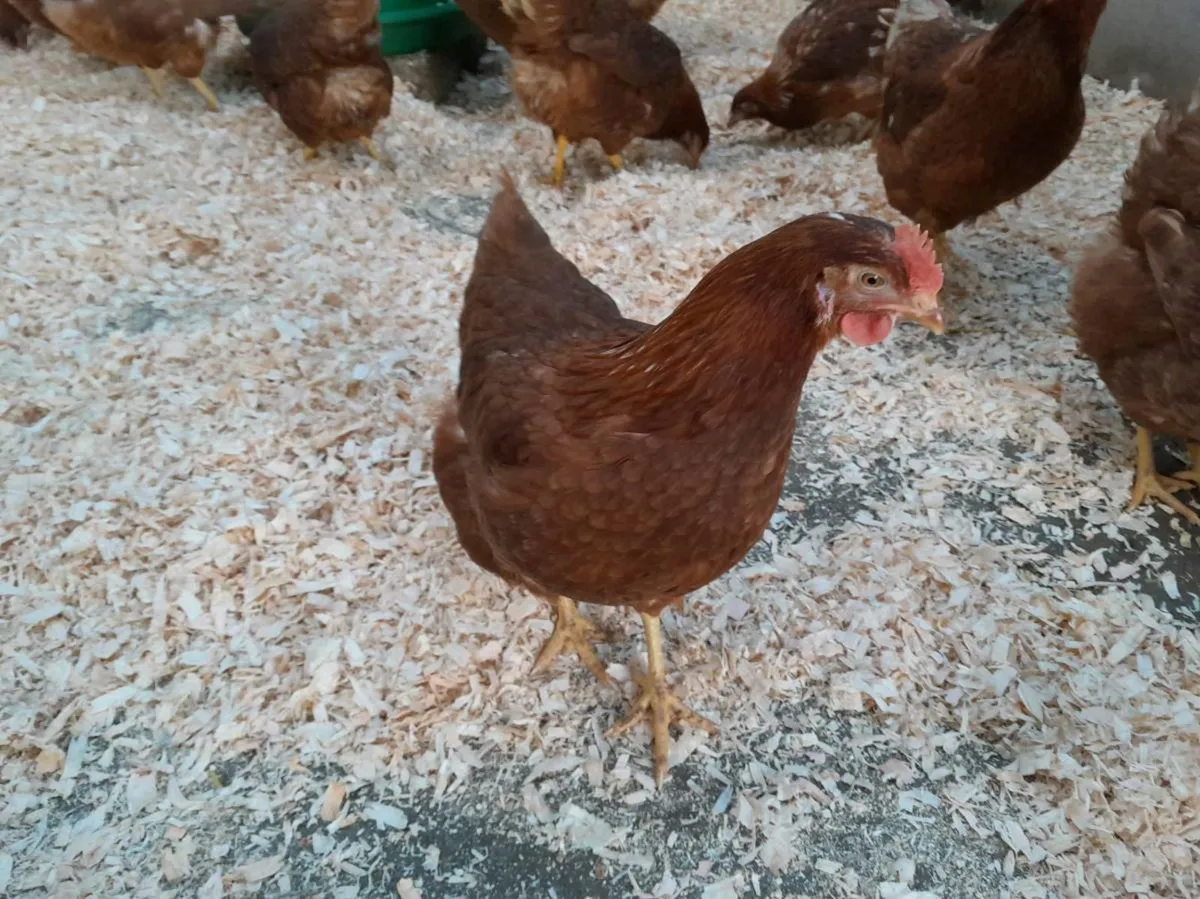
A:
{"points": [[1155, 42]]}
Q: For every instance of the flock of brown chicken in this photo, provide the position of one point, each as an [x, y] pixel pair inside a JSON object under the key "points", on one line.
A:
{"points": [[591, 458]]}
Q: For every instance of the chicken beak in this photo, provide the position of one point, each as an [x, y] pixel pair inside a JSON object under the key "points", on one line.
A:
{"points": [[923, 310]]}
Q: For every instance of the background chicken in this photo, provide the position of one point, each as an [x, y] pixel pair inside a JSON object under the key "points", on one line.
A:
{"points": [[594, 458], [14, 27], [1136, 301], [828, 63], [594, 69], [318, 64], [150, 34], [972, 119], [33, 13]]}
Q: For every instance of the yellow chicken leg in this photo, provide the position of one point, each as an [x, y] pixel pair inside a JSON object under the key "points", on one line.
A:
{"points": [[155, 77], [310, 153], [560, 161], [369, 146], [571, 634], [656, 703], [1149, 484], [615, 162], [206, 92]]}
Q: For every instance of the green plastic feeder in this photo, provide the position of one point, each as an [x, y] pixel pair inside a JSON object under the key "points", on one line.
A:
{"points": [[410, 26]]}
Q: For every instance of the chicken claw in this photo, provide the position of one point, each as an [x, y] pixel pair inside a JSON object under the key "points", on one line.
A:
{"points": [[310, 153], [1149, 484], [560, 161], [155, 77], [615, 162], [1192, 474], [571, 633], [206, 92], [657, 704]]}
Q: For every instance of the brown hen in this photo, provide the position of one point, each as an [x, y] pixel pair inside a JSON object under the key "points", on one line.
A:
{"points": [[973, 118], [150, 34], [1136, 301], [828, 63], [592, 458], [594, 69], [318, 64]]}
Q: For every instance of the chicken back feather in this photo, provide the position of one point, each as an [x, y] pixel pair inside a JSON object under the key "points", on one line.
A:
{"points": [[597, 458]]}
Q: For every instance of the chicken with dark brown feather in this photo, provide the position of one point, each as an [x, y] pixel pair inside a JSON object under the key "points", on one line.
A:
{"points": [[318, 64], [592, 458], [33, 13], [150, 34], [14, 27], [1136, 302], [594, 69], [974, 118], [828, 64]]}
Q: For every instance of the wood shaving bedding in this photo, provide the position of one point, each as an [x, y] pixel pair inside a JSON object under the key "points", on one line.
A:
{"points": [[221, 535]]}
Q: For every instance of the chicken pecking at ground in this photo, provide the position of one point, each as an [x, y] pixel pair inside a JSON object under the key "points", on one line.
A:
{"points": [[828, 63], [1135, 302], [150, 34], [974, 118], [592, 458], [318, 64], [595, 69]]}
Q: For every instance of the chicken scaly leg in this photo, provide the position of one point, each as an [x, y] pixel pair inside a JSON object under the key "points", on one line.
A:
{"points": [[615, 162], [571, 633], [155, 77], [1149, 484], [560, 161], [657, 704], [369, 146], [206, 92]]}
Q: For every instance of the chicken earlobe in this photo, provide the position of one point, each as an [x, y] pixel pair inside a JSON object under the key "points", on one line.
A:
{"points": [[1149, 484], [656, 703]]}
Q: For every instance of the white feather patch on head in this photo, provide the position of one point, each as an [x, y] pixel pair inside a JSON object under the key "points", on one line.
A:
{"points": [[825, 300]]}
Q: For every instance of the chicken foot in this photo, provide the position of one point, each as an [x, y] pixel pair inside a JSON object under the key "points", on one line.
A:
{"points": [[1192, 474], [1149, 484], [206, 92], [656, 704], [615, 162], [372, 150], [572, 633]]}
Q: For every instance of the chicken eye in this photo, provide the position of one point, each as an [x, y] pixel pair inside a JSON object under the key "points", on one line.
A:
{"points": [[871, 280]]}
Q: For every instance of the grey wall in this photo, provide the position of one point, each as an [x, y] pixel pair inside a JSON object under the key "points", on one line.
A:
{"points": [[1155, 41]]}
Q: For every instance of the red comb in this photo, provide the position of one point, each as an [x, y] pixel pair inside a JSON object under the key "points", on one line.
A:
{"points": [[916, 249]]}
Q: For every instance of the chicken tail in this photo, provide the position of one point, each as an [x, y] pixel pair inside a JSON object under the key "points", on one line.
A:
{"points": [[510, 226], [910, 11]]}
